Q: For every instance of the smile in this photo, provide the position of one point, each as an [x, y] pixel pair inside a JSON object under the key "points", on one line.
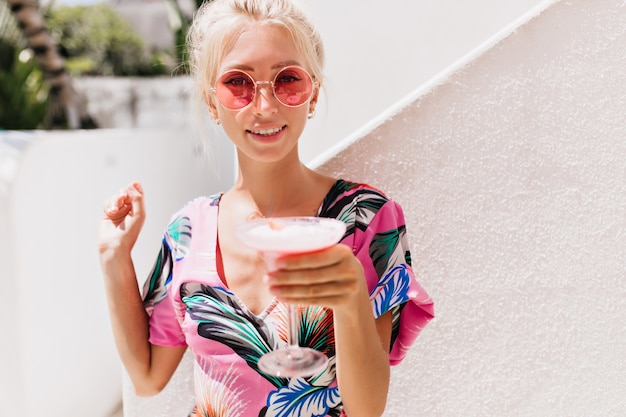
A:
{"points": [[267, 132]]}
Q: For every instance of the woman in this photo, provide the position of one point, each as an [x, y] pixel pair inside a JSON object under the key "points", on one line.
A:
{"points": [[258, 64]]}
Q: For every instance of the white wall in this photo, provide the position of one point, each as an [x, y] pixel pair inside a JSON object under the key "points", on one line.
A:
{"points": [[56, 352], [512, 173], [379, 51]]}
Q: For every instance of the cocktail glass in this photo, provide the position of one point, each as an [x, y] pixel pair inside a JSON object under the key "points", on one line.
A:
{"points": [[280, 236]]}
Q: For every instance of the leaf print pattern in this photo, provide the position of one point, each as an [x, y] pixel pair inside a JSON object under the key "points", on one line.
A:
{"points": [[316, 329], [299, 399], [391, 294], [217, 393], [220, 318], [391, 290], [353, 204], [154, 289], [385, 250], [179, 233]]}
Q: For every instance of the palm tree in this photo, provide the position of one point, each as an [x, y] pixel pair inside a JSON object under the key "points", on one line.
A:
{"points": [[8, 28], [66, 107]]}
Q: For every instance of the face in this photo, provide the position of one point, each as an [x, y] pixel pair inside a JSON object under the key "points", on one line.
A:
{"points": [[265, 130]]}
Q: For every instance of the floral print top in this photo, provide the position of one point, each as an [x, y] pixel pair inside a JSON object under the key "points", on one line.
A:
{"points": [[189, 305]]}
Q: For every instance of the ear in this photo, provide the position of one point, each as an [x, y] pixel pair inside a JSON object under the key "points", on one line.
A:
{"points": [[209, 101], [314, 98]]}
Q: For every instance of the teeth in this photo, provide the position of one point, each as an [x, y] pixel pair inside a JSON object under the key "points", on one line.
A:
{"points": [[267, 132]]}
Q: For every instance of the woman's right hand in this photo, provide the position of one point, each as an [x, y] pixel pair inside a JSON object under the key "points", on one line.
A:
{"points": [[122, 220]]}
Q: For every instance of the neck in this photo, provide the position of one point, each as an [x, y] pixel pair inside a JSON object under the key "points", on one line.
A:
{"points": [[275, 189]]}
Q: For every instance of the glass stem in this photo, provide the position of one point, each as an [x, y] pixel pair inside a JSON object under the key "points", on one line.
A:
{"points": [[292, 310], [293, 322]]}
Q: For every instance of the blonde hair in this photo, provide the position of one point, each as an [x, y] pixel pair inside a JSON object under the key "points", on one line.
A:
{"points": [[218, 21]]}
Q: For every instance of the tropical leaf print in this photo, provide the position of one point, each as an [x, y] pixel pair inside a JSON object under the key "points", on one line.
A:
{"points": [[354, 204], [221, 318], [386, 249], [391, 291], [214, 199], [300, 399], [367, 207], [339, 187], [179, 236], [316, 329], [155, 287], [217, 393]]}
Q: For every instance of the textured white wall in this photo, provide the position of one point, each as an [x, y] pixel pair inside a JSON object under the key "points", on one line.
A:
{"points": [[380, 50], [512, 172]]}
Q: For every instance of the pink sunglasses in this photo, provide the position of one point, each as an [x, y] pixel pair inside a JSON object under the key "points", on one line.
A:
{"points": [[292, 86]]}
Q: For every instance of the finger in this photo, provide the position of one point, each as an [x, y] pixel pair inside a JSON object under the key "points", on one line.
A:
{"points": [[135, 196], [137, 185], [294, 277], [314, 295], [110, 208], [312, 292], [116, 203], [347, 269], [310, 260]]}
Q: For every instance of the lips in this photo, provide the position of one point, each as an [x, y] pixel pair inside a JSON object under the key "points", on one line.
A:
{"points": [[267, 132]]}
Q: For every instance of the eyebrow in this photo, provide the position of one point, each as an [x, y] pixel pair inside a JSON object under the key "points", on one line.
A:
{"points": [[278, 65]]}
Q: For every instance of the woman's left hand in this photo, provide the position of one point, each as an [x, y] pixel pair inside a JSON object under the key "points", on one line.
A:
{"points": [[331, 277]]}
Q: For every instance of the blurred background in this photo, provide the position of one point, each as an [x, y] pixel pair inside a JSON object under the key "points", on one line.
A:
{"points": [[47, 46], [121, 63]]}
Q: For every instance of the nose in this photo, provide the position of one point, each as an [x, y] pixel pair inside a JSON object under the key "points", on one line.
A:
{"points": [[264, 100]]}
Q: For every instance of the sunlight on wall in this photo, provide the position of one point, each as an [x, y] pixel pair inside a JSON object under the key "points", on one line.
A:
{"points": [[512, 173]]}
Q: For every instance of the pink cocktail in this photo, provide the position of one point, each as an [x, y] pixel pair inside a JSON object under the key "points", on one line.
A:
{"points": [[276, 237]]}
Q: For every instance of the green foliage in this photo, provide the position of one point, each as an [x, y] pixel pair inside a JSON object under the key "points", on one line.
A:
{"points": [[23, 90], [95, 40]]}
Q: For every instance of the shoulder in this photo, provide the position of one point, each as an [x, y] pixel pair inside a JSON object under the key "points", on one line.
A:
{"points": [[195, 216], [201, 202], [346, 194], [349, 200], [196, 206]]}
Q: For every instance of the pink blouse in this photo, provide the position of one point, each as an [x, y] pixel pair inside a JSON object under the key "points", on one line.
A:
{"points": [[189, 305]]}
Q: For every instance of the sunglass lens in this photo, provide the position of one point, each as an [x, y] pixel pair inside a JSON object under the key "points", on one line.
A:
{"points": [[235, 90], [293, 86]]}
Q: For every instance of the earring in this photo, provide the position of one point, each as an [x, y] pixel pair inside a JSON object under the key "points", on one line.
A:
{"points": [[311, 114], [217, 121]]}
